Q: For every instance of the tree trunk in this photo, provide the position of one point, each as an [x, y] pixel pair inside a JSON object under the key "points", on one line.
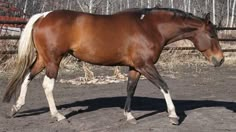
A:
{"points": [[91, 6], [43, 7], [232, 16], [81, 7], [149, 3], [185, 5], [121, 5], [227, 17], [171, 4], [67, 4], [141, 2], [25, 8], [107, 7], [214, 11], [206, 6], [189, 5], [128, 4]]}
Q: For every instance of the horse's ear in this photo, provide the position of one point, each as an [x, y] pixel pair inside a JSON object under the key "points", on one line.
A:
{"points": [[208, 18]]}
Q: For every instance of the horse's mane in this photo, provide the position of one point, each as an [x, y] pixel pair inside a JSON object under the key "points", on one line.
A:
{"points": [[176, 12], [180, 13]]}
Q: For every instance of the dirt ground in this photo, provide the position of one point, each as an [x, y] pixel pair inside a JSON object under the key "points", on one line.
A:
{"points": [[205, 99]]}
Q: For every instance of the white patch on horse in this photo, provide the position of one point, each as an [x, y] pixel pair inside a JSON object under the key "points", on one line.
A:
{"points": [[142, 16], [129, 115], [48, 85], [170, 105], [21, 99]]}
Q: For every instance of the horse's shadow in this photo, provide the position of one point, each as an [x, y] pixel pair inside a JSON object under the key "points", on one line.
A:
{"points": [[139, 103]]}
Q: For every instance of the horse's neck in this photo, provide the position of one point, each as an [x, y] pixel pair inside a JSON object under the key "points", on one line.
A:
{"points": [[184, 32]]}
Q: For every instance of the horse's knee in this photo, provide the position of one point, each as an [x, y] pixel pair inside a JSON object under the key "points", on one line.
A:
{"points": [[52, 70]]}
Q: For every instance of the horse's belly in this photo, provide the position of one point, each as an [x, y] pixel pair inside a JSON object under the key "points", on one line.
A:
{"points": [[99, 56]]}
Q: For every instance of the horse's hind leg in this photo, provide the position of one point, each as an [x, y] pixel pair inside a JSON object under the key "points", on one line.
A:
{"points": [[150, 72], [133, 78], [48, 85], [37, 67], [21, 99]]}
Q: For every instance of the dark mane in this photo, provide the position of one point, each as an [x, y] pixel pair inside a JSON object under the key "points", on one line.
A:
{"points": [[176, 12]]}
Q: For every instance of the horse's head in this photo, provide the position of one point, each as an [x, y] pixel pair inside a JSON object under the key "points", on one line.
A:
{"points": [[206, 41]]}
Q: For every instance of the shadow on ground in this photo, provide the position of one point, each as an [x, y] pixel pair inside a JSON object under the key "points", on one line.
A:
{"points": [[139, 103]]}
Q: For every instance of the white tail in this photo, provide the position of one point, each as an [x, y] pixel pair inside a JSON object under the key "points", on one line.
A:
{"points": [[26, 57], [26, 42]]}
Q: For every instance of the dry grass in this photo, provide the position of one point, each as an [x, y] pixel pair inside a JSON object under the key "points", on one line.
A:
{"points": [[169, 62], [230, 57], [169, 59], [7, 61]]}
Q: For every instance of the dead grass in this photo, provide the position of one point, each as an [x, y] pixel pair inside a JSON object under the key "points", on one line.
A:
{"points": [[7, 61], [230, 57], [169, 59]]}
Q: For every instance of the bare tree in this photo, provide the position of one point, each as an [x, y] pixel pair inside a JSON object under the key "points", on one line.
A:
{"points": [[232, 16], [214, 11], [80, 5], [227, 18], [189, 5], [171, 4], [128, 4], [185, 5], [107, 7], [149, 3], [25, 8]]}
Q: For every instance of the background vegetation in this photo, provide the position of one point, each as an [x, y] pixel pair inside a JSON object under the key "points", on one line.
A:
{"points": [[222, 13]]}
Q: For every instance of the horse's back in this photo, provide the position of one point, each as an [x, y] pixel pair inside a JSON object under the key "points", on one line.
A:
{"points": [[98, 39]]}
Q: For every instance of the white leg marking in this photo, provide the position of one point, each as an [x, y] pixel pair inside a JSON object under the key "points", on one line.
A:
{"points": [[48, 85], [170, 105], [129, 115], [21, 99]]}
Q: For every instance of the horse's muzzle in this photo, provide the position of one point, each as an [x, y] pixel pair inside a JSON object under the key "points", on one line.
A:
{"points": [[217, 62]]}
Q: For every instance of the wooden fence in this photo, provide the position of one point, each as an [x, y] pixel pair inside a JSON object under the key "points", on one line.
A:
{"points": [[9, 37]]}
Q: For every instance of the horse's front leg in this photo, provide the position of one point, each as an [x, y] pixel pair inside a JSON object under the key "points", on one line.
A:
{"points": [[150, 72], [48, 85], [133, 77]]}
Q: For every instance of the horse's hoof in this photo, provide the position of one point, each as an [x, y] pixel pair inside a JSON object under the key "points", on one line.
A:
{"points": [[132, 121], [174, 121], [12, 113], [58, 116], [64, 121]]}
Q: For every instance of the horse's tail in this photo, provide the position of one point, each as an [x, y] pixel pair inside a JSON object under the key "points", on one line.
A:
{"points": [[25, 58]]}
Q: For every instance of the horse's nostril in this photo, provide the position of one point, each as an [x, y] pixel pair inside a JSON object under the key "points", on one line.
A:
{"points": [[222, 61], [216, 62]]}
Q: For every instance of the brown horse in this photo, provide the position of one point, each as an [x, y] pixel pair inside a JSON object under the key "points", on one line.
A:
{"points": [[133, 38]]}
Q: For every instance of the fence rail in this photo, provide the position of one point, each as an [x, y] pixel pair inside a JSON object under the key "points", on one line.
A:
{"points": [[16, 37], [14, 22]]}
